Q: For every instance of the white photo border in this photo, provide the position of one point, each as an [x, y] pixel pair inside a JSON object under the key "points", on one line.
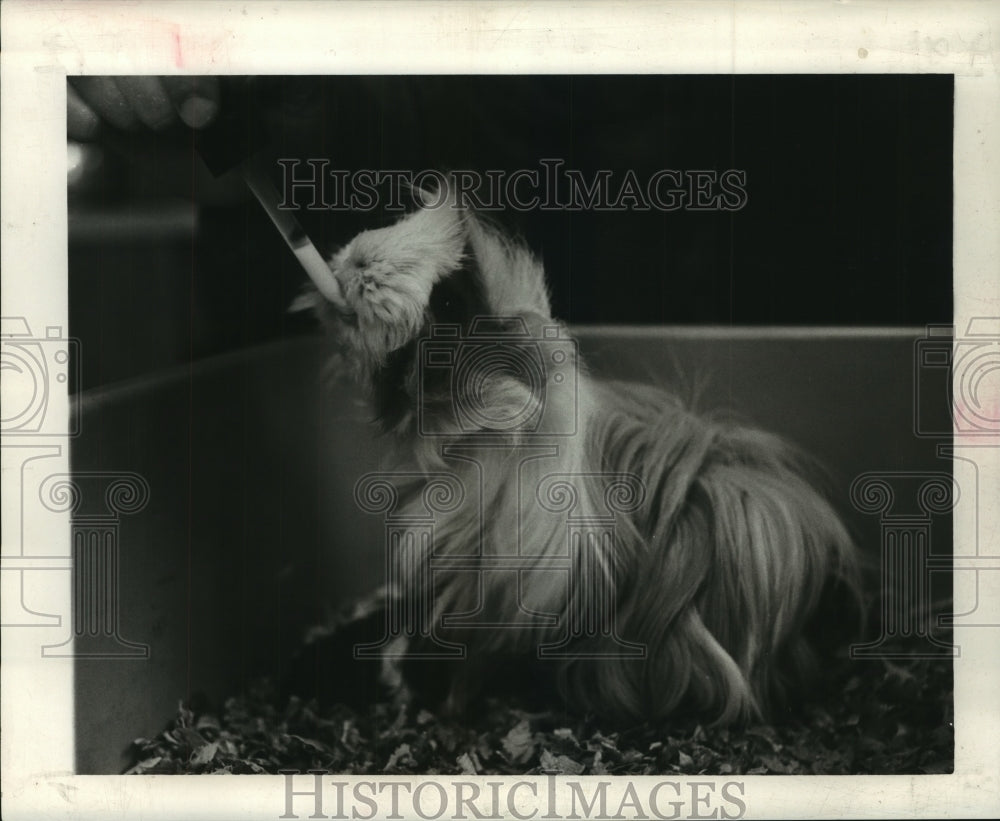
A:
{"points": [[43, 42]]}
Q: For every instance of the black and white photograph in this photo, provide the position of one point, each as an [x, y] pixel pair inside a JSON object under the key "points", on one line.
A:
{"points": [[564, 441]]}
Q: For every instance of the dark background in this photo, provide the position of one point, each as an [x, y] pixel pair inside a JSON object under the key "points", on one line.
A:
{"points": [[848, 218]]}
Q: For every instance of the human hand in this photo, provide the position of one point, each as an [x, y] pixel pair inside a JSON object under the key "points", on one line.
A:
{"points": [[132, 103]]}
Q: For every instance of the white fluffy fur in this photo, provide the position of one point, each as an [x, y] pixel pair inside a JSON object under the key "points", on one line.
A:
{"points": [[386, 275], [716, 573]]}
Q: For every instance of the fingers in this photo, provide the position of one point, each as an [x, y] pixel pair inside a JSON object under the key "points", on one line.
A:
{"points": [[106, 101], [81, 121], [196, 99], [130, 102], [148, 100]]}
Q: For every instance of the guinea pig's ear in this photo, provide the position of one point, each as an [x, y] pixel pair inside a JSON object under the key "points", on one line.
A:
{"points": [[440, 217], [442, 199], [440, 193]]}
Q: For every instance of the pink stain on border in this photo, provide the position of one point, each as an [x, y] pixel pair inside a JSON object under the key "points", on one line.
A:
{"points": [[178, 54], [972, 424]]}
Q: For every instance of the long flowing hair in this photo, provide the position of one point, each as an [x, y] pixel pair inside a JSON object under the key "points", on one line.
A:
{"points": [[722, 544]]}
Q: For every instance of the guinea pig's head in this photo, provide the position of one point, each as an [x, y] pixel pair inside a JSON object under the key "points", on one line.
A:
{"points": [[386, 276]]}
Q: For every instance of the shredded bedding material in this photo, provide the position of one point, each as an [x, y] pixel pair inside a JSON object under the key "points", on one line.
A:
{"points": [[882, 717]]}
